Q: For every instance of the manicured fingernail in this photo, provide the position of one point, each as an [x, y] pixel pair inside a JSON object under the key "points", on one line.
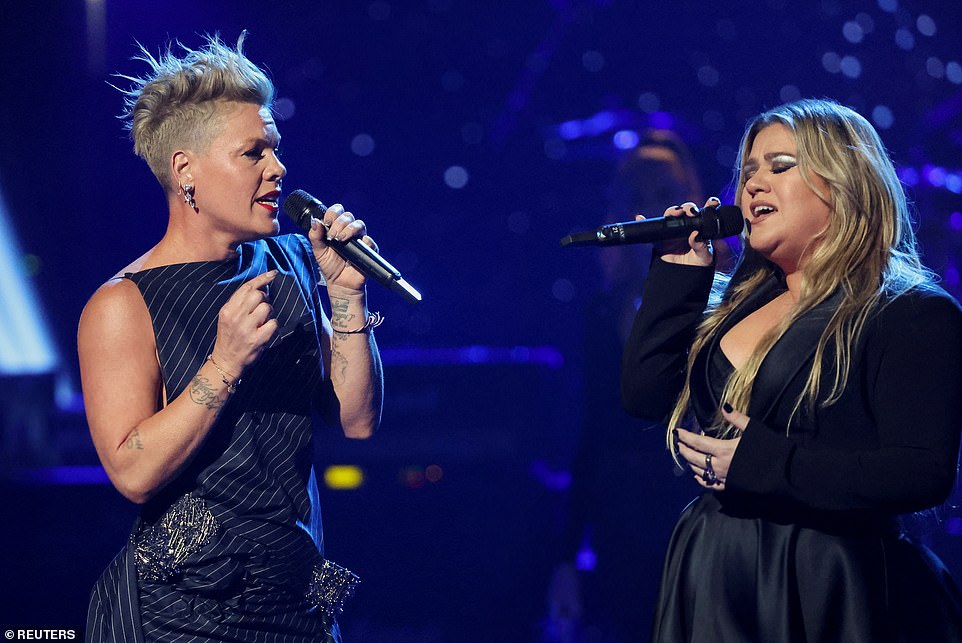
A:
{"points": [[314, 223], [728, 407], [714, 198]]}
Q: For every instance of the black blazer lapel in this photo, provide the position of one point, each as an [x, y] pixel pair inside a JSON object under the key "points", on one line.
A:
{"points": [[789, 357], [703, 402]]}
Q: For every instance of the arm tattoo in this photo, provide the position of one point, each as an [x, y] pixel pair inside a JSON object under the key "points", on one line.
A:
{"points": [[339, 362], [133, 441], [340, 318], [202, 393]]}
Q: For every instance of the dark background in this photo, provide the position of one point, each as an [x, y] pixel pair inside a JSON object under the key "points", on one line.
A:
{"points": [[484, 377]]}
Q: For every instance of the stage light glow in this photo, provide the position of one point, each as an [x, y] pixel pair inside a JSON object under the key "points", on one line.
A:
{"points": [[412, 477], [456, 177], [433, 473], [25, 343], [708, 76], [889, 6], [570, 130], [649, 102], [343, 477], [951, 275], [586, 559], [284, 108], [851, 66], [832, 62], [600, 122], [926, 25], [953, 72], [853, 32], [882, 116], [909, 176], [934, 67], [904, 39], [953, 183], [362, 144], [625, 139], [662, 120], [935, 175]]}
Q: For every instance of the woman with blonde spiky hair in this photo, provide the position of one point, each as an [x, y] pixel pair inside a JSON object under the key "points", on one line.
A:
{"points": [[203, 364], [819, 394]]}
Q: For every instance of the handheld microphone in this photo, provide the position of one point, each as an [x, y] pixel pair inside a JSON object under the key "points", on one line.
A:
{"points": [[301, 206], [711, 223]]}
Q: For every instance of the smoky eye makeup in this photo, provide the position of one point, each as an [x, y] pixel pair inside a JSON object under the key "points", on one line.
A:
{"points": [[783, 162]]}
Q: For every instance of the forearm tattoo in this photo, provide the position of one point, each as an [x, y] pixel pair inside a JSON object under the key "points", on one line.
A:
{"points": [[339, 362], [340, 318], [202, 393], [133, 441]]}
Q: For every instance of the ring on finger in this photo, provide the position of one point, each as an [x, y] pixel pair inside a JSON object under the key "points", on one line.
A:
{"points": [[709, 473]]}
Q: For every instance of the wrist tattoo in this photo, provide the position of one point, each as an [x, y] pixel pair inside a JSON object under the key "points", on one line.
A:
{"points": [[202, 393], [340, 318], [133, 441]]}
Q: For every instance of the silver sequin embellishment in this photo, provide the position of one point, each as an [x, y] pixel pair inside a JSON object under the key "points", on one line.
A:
{"points": [[160, 549], [331, 586]]}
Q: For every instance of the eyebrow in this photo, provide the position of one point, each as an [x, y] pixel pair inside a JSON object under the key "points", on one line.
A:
{"points": [[272, 141], [768, 157]]}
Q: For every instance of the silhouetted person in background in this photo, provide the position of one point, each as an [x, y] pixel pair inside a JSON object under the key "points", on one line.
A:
{"points": [[623, 493]]}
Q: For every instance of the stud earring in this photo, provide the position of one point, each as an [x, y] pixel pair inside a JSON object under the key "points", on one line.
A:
{"points": [[187, 190]]}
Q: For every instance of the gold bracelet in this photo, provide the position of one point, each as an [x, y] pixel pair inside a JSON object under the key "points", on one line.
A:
{"points": [[373, 320], [224, 375]]}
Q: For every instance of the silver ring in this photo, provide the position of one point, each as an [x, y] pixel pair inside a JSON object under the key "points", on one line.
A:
{"points": [[709, 474]]}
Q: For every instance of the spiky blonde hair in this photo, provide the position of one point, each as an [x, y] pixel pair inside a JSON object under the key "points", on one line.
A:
{"points": [[175, 103]]}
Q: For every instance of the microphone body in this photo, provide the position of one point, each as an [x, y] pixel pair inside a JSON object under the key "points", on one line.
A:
{"points": [[301, 206], [711, 223]]}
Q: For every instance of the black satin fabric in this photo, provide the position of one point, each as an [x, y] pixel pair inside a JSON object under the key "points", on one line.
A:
{"points": [[740, 579], [735, 572]]}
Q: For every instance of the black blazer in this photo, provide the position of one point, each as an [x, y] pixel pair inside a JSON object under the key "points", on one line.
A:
{"points": [[888, 446]]}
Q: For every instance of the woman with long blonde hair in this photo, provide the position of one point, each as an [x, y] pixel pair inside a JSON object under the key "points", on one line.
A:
{"points": [[814, 400]]}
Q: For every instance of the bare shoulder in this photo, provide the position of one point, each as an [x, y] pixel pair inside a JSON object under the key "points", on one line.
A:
{"points": [[115, 315], [116, 300]]}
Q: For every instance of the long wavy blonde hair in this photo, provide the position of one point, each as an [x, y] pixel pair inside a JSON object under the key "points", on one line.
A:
{"points": [[868, 251]]}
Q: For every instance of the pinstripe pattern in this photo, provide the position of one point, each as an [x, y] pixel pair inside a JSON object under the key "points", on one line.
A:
{"points": [[253, 472]]}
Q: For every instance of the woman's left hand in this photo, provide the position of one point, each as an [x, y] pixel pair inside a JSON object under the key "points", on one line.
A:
{"points": [[342, 226], [710, 458]]}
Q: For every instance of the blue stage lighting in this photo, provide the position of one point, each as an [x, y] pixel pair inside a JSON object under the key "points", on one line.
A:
{"points": [[25, 344]]}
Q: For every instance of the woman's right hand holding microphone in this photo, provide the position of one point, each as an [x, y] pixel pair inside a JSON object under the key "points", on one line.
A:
{"points": [[690, 251]]}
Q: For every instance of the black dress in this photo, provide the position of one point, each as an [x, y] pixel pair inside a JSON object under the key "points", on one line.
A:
{"points": [[802, 546], [231, 550]]}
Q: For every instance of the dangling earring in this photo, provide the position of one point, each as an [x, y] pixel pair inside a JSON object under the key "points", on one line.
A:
{"points": [[187, 189]]}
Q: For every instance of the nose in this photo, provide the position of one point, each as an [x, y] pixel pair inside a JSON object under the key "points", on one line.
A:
{"points": [[276, 170], [755, 184]]}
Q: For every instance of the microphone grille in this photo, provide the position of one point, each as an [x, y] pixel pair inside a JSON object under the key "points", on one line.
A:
{"points": [[301, 206], [730, 221]]}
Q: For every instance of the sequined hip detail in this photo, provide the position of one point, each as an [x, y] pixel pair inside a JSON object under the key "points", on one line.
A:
{"points": [[331, 586], [184, 529]]}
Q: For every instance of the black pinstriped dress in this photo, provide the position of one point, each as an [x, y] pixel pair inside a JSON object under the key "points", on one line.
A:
{"points": [[231, 549]]}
